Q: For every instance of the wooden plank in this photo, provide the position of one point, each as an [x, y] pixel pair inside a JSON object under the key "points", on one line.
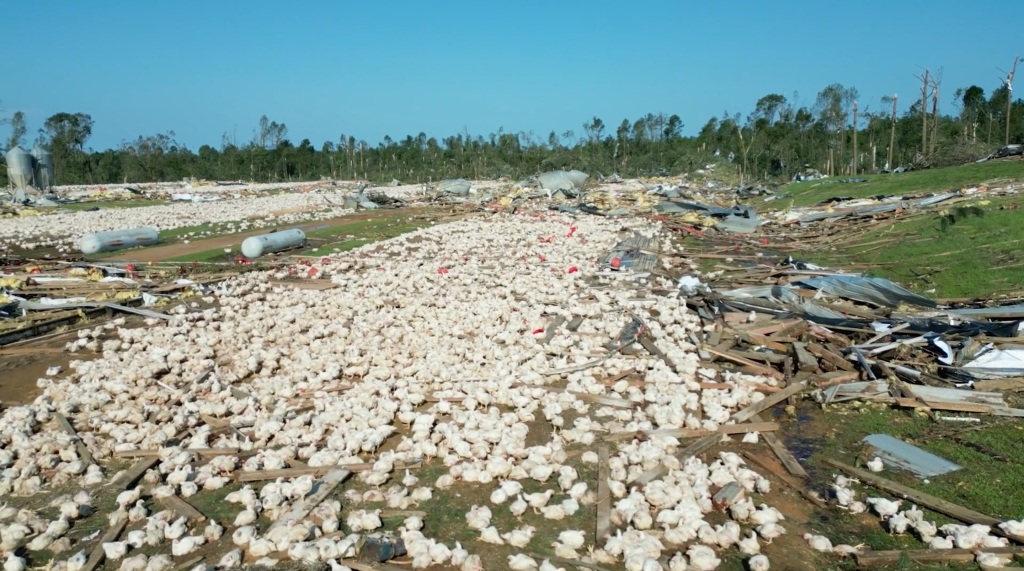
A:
{"points": [[767, 357], [182, 508], [804, 359], [311, 284], [604, 499], [926, 500], [780, 473], [836, 378], [761, 369], [98, 555], [697, 447], [575, 323], [360, 566], [155, 452], [1014, 384], [552, 329], [256, 475], [741, 428], [886, 558], [570, 562], [785, 456], [752, 338], [769, 401], [300, 509], [80, 447], [128, 479], [189, 564]]}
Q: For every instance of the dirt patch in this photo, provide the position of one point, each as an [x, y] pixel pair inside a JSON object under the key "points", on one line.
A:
{"points": [[19, 373]]}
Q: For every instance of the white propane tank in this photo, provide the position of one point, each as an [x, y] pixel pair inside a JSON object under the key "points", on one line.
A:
{"points": [[118, 240], [256, 246]]}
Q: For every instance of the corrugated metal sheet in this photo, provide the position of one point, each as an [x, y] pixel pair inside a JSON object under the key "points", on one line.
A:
{"points": [[634, 254], [897, 453], [877, 291]]}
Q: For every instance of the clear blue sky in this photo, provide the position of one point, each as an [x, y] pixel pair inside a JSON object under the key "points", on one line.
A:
{"points": [[371, 69]]}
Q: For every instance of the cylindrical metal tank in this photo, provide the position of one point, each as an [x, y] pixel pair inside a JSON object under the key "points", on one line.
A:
{"points": [[19, 167], [256, 246], [44, 168], [579, 178], [454, 186], [118, 240]]}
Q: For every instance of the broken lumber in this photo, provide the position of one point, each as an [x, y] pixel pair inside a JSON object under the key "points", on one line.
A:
{"points": [[742, 428], [302, 508], [834, 359], [779, 471], [768, 402], [552, 329], [880, 558], [783, 453], [755, 368], [80, 447], [98, 555], [572, 562], [155, 452], [805, 360], [182, 508], [256, 475], [698, 447], [929, 501], [127, 479], [604, 495]]}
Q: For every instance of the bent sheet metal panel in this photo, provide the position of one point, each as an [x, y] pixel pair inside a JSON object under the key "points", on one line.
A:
{"points": [[895, 452]]}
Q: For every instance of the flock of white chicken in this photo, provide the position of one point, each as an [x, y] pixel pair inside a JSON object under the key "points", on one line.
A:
{"points": [[434, 340]]}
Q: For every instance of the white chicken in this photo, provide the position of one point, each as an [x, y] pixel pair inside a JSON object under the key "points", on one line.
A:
{"points": [[819, 542]]}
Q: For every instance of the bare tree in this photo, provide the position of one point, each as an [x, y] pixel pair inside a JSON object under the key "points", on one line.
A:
{"points": [[1009, 97], [924, 113]]}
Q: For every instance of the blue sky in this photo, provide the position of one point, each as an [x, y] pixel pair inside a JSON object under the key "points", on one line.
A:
{"points": [[371, 69]]}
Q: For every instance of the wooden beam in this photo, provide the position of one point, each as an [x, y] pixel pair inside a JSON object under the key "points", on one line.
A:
{"points": [[783, 453], [697, 447], [155, 452], [759, 368], [804, 359], [780, 472], [769, 401], [256, 475], [182, 508], [880, 558], [80, 447], [575, 323], [302, 508], [127, 479], [931, 502], [571, 562], [763, 340], [98, 555], [552, 329], [604, 499], [741, 428]]}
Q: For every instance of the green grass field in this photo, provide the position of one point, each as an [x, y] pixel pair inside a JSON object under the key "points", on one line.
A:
{"points": [[924, 181], [978, 255], [105, 204]]}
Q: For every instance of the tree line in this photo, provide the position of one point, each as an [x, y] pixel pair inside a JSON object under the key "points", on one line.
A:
{"points": [[837, 134]]}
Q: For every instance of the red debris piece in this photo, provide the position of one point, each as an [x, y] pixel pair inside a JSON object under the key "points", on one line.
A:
{"points": [[573, 269]]}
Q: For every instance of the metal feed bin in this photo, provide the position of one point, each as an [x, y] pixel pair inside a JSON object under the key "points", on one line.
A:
{"points": [[44, 171], [20, 171]]}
